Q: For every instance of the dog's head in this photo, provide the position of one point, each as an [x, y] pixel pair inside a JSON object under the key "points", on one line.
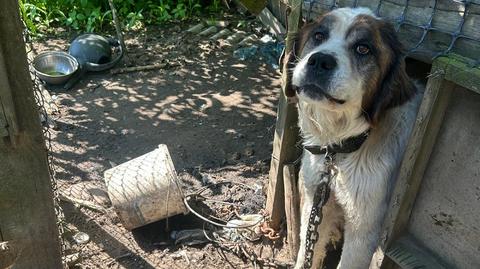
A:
{"points": [[350, 59]]}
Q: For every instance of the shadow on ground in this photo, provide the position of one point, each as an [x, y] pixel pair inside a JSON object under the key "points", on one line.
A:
{"points": [[215, 113]]}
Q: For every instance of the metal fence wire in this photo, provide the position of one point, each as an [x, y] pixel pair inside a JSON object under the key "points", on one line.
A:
{"points": [[428, 28], [45, 119]]}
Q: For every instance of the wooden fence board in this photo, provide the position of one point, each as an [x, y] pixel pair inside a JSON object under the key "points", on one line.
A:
{"points": [[27, 216], [416, 156], [292, 208], [446, 214]]}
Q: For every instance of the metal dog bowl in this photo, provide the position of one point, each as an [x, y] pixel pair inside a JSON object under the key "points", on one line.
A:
{"points": [[55, 67]]}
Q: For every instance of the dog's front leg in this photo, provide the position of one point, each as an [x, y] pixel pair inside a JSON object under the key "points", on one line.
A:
{"points": [[361, 238], [332, 222], [307, 201]]}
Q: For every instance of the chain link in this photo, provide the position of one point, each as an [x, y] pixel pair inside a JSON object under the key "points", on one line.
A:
{"points": [[47, 134], [320, 198], [426, 29]]}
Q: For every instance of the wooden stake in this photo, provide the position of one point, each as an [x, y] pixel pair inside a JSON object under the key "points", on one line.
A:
{"points": [[141, 68], [118, 26], [292, 208], [83, 203], [286, 130]]}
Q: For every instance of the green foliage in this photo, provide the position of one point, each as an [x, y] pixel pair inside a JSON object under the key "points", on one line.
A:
{"points": [[94, 15]]}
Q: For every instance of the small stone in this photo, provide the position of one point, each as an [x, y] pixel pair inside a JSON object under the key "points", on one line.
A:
{"points": [[249, 152], [197, 172], [236, 156], [239, 136], [176, 256], [206, 180], [81, 238], [201, 256], [127, 131]]}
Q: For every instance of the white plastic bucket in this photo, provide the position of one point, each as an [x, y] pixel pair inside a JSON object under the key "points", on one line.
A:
{"points": [[145, 189]]}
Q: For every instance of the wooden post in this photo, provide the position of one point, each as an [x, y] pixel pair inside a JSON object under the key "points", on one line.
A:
{"points": [[27, 216], [286, 129], [118, 26], [292, 208]]}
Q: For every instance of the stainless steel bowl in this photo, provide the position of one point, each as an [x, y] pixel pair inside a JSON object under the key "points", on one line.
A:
{"points": [[55, 67]]}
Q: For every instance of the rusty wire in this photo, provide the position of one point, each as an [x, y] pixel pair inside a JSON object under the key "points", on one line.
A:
{"points": [[198, 196]]}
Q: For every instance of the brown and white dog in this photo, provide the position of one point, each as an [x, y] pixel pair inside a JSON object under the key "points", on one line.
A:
{"points": [[350, 79]]}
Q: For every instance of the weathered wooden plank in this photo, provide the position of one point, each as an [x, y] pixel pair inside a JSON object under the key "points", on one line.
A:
{"points": [[27, 215], [446, 214], [286, 131], [458, 71], [8, 121], [408, 254], [292, 208], [254, 6], [275, 26], [3, 122], [278, 9], [417, 154]]}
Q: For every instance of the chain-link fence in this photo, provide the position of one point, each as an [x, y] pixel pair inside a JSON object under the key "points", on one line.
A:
{"points": [[40, 94], [427, 28]]}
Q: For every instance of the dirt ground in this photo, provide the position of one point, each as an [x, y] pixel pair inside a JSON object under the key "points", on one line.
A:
{"points": [[215, 113]]}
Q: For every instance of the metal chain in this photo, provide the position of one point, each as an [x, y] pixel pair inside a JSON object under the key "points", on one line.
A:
{"points": [[320, 198]]}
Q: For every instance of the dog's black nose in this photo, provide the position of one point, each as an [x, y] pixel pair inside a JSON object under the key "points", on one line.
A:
{"points": [[322, 62]]}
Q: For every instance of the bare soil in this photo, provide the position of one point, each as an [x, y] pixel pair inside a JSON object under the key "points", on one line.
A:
{"points": [[215, 113]]}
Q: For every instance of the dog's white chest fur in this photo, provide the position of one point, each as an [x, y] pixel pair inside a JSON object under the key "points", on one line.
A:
{"points": [[351, 78], [365, 177]]}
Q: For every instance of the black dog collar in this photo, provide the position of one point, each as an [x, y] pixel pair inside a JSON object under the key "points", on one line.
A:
{"points": [[348, 145]]}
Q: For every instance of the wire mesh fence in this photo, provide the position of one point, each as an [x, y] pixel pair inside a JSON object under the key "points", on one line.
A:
{"points": [[427, 28], [45, 119]]}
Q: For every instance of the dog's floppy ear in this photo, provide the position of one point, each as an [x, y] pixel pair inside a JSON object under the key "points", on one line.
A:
{"points": [[396, 87]]}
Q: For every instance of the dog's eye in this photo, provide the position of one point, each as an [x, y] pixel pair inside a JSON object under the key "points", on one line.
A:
{"points": [[319, 36], [362, 49]]}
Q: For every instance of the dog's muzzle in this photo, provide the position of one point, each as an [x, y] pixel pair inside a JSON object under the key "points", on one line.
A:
{"points": [[316, 92], [322, 64], [318, 72]]}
